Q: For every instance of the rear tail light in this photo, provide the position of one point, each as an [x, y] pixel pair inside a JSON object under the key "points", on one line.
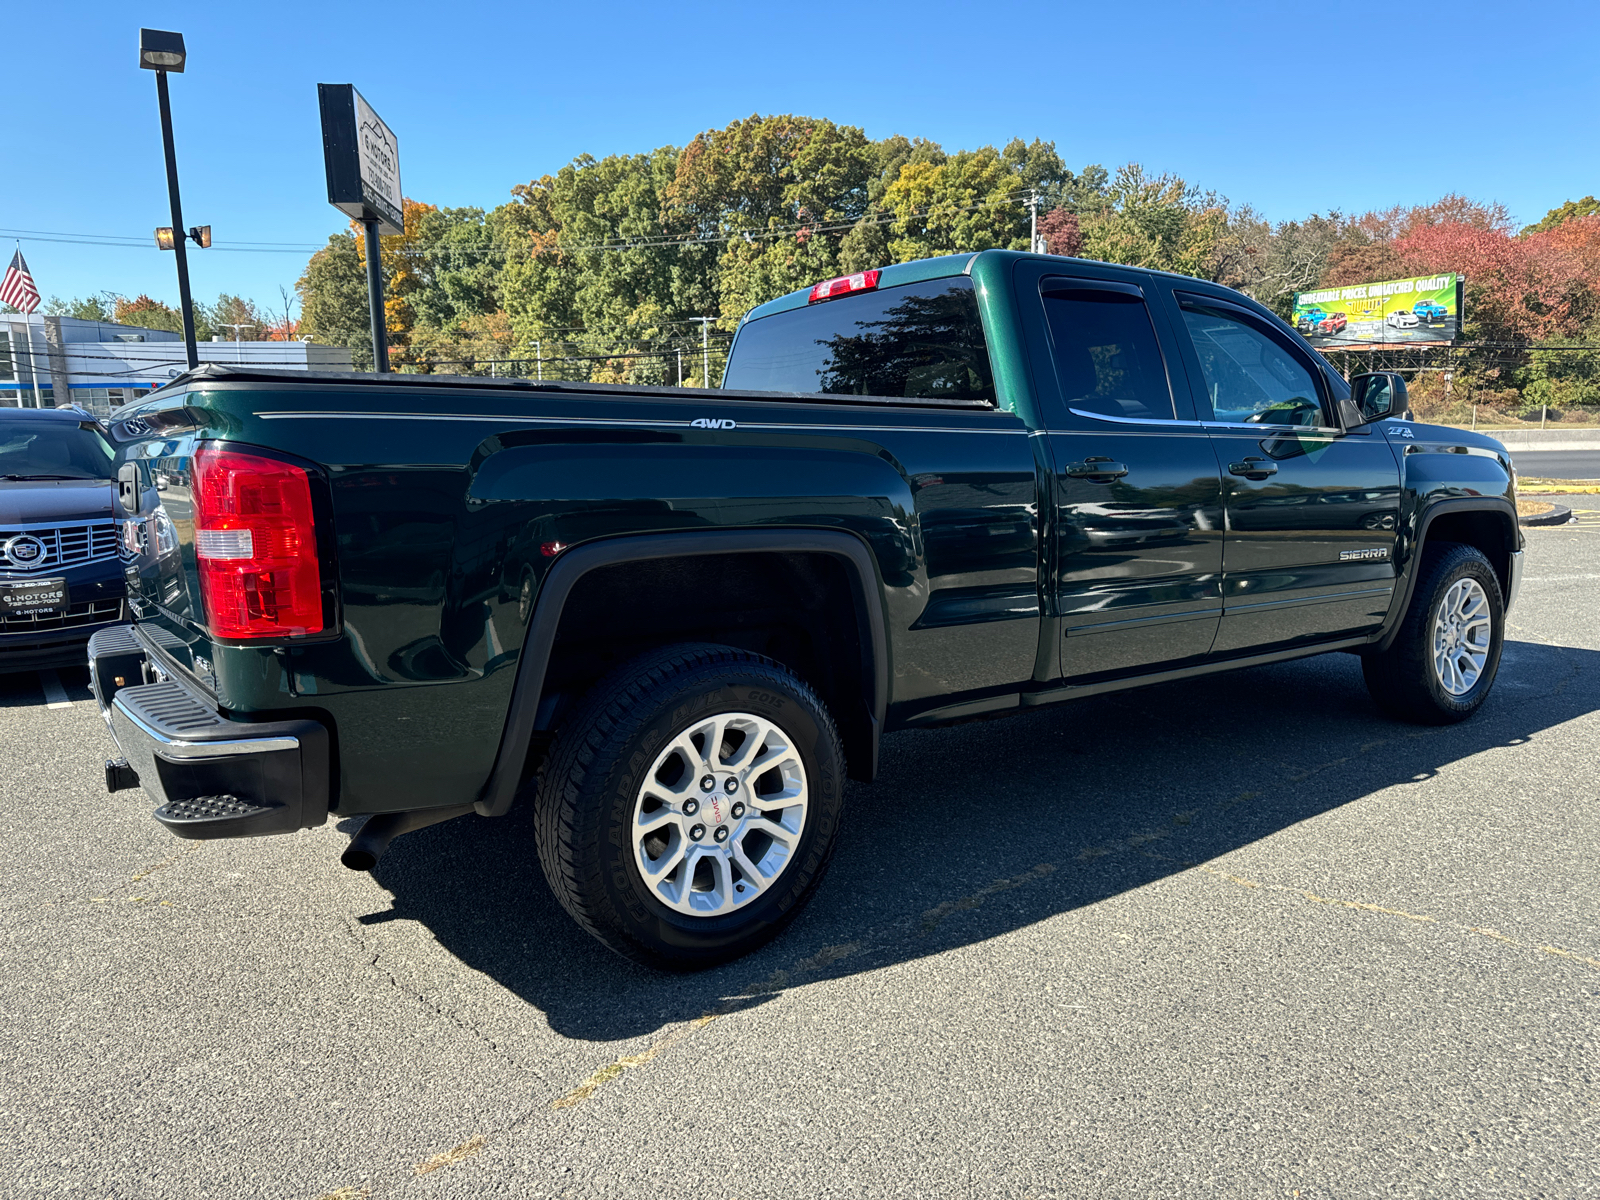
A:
{"points": [[828, 289], [255, 540]]}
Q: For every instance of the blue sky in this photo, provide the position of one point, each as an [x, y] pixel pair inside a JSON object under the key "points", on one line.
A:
{"points": [[1292, 107]]}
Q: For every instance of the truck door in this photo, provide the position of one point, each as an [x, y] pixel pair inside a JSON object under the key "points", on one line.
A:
{"points": [[1312, 508], [1137, 493]]}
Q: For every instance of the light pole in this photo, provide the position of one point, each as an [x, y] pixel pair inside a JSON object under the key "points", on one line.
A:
{"points": [[238, 352], [705, 350], [160, 51]]}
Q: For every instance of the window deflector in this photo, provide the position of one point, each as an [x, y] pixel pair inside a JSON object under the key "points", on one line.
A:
{"points": [[1062, 287], [1056, 285]]}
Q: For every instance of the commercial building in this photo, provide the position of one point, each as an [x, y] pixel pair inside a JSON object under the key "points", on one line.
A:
{"points": [[51, 361]]}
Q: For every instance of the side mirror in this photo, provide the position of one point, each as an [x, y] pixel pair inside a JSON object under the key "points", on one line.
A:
{"points": [[1374, 396]]}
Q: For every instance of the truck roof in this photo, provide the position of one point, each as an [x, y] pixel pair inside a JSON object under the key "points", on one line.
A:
{"points": [[893, 275], [943, 266]]}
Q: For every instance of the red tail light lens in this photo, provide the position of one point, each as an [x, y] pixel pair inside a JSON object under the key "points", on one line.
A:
{"points": [[828, 289], [255, 539]]}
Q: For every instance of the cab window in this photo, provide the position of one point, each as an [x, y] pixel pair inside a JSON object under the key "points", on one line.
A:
{"points": [[917, 341], [1250, 376], [1107, 359]]}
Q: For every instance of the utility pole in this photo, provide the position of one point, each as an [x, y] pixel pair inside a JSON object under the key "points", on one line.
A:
{"points": [[680, 366], [1033, 221], [538, 354], [705, 349]]}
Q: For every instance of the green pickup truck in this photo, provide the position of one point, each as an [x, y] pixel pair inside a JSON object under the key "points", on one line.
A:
{"points": [[675, 621]]}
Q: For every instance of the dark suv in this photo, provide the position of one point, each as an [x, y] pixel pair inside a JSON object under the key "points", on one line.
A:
{"points": [[60, 573]]}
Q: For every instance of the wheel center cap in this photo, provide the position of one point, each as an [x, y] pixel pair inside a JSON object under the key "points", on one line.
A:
{"points": [[717, 804]]}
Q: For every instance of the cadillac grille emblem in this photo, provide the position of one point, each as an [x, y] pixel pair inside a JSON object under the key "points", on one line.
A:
{"points": [[24, 550]]}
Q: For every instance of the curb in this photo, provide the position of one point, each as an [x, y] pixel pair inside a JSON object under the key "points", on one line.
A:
{"points": [[1560, 514]]}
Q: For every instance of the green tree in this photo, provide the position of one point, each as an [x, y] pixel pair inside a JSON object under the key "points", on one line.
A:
{"points": [[971, 200], [333, 299], [101, 306], [1570, 211], [779, 194], [1158, 222]]}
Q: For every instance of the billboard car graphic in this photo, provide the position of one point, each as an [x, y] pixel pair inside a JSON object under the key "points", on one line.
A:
{"points": [[1423, 309]]}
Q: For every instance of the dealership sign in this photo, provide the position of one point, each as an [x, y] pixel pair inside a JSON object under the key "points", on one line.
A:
{"points": [[362, 156], [1417, 311]]}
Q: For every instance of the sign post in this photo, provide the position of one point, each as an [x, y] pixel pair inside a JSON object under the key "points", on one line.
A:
{"points": [[362, 156]]}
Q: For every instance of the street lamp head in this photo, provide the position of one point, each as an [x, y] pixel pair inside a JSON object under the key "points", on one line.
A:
{"points": [[160, 50], [200, 235], [166, 239]]}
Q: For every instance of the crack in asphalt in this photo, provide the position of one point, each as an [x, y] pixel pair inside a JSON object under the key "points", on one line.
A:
{"points": [[422, 1000]]}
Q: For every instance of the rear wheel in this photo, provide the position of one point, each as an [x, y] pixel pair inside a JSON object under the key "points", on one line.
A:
{"points": [[690, 807], [1442, 663]]}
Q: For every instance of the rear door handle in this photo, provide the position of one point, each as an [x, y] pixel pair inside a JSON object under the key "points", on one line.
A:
{"points": [[1253, 468], [1101, 470]]}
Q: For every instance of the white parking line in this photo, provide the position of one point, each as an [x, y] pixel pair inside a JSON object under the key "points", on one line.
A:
{"points": [[55, 696]]}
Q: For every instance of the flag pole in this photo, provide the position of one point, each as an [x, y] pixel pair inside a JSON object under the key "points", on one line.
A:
{"points": [[27, 332]]}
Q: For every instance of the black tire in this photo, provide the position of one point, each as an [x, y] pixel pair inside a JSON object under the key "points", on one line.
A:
{"points": [[1403, 680], [588, 788]]}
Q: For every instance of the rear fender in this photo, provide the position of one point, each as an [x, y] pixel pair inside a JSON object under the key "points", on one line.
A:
{"points": [[522, 717]]}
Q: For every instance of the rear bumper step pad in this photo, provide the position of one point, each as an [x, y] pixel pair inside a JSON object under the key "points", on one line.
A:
{"points": [[214, 776]]}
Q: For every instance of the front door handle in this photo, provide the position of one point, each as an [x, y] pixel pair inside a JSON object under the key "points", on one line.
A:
{"points": [[1100, 470], [1253, 468]]}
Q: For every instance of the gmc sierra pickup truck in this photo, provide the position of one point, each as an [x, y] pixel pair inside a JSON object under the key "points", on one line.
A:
{"points": [[674, 621]]}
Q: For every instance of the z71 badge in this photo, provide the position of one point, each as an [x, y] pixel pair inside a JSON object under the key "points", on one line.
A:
{"points": [[1375, 552]]}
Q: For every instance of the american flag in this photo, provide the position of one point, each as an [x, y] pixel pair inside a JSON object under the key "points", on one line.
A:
{"points": [[18, 289]]}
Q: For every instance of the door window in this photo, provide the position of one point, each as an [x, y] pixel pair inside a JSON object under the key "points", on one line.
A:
{"points": [[1250, 377], [1107, 358]]}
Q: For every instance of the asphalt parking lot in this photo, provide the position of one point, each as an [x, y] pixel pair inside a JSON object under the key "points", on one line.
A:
{"points": [[1240, 937]]}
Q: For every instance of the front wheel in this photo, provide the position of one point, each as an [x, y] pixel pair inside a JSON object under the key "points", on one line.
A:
{"points": [[1442, 663], [690, 807]]}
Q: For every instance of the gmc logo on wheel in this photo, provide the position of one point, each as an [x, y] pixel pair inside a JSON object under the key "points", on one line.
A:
{"points": [[712, 423]]}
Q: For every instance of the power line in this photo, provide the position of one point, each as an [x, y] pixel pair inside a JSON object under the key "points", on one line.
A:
{"points": [[656, 241]]}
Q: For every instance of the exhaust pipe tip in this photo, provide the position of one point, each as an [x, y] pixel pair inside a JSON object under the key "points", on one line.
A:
{"points": [[368, 845], [358, 858]]}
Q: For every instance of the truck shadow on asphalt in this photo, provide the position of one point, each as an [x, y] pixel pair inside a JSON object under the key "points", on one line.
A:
{"points": [[975, 831]]}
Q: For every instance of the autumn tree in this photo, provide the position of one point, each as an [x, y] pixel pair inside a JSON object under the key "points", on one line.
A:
{"points": [[247, 322], [148, 313]]}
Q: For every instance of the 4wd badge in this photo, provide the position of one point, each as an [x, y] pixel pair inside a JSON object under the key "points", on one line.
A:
{"points": [[712, 423]]}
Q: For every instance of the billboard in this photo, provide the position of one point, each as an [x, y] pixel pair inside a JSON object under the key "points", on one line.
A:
{"points": [[362, 156], [1395, 312]]}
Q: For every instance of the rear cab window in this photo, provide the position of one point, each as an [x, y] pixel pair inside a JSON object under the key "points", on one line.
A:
{"points": [[917, 341]]}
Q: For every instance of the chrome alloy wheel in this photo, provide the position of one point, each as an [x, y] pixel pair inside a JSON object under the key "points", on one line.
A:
{"points": [[1461, 634], [720, 814]]}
